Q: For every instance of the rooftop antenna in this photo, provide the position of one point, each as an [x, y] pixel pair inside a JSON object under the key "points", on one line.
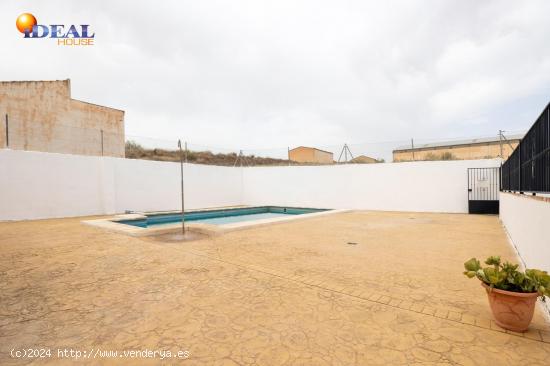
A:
{"points": [[182, 199], [345, 151], [500, 142]]}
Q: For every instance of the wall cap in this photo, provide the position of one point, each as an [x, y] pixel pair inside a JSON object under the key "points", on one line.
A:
{"points": [[528, 196]]}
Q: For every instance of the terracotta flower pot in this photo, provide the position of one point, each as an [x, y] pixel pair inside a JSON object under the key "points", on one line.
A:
{"points": [[512, 310]]}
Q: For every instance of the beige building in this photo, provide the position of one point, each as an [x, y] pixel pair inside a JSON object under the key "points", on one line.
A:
{"points": [[303, 154], [363, 159], [42, 116], [482, 148]]}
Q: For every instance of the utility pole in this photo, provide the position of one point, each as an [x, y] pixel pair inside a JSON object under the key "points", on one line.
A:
{"points": [[507, 141], [500, 143], [240, 159], [288, 154], [237, 159], [182, 201], [345, 151], [345, 155]]}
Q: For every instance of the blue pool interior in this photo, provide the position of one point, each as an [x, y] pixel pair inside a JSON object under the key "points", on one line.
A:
{"points": [[220, 217]]}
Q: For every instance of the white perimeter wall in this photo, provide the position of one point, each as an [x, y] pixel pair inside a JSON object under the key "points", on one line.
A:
{"points": [[143, 185], [39, 185], [527, 221], [36, 185], [436, 186]]}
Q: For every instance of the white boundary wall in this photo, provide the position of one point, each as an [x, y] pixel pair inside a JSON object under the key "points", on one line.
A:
{"points": [[35, 185], [527, 221], [144, 185], [429, 186]]}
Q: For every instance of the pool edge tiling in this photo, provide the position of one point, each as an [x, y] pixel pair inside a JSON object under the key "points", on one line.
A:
{"points": [[112, 223], [222, 216]]}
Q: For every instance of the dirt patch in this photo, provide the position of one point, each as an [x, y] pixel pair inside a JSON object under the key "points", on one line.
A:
{"points": [[177, 237]]}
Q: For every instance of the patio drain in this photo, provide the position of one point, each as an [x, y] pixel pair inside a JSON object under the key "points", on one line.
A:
{"points": [[351, 243]]}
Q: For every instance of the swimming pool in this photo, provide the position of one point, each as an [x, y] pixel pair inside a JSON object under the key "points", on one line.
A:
{"points": [[219, 217]]}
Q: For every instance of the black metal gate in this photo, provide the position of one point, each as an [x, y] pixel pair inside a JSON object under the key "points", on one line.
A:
{"points": [[483, 190]]}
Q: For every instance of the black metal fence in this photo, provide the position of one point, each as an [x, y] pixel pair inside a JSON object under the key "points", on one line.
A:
{"points": [[528, 168]]}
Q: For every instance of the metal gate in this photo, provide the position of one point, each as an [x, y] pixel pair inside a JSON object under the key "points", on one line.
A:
{"points": [[483, 190]]}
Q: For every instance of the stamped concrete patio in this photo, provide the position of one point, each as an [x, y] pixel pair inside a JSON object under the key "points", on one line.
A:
{"points": [[355, 288]]}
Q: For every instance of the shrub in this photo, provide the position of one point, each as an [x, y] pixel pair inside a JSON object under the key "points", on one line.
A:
{"points": [[132, 145], [431, 156], [447, 155]]}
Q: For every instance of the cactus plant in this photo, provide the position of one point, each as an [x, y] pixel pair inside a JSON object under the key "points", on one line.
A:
{"points": [[505, 276]]}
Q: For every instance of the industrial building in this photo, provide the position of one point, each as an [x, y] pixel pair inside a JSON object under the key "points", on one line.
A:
{"points": [[303, 154], [481, 148], [42, 116]]}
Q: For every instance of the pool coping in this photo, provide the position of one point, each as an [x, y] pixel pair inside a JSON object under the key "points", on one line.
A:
{"points": [[111, 224]]}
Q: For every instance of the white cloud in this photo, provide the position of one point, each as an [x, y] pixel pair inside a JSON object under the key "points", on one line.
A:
{"points": [[278, 73]]}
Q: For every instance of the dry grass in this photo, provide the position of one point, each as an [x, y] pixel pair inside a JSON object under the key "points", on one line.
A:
{"points": [[136, 151]]}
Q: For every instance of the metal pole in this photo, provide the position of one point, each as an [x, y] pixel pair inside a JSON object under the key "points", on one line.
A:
{"points": [[500, 142], [350, 154], [237, 159], [288, 154], [101, 142], [519, 169], [7, 132], [340, 157], [412, 147], [346, 152], [241, 157], [501, 158], [182, 200]]}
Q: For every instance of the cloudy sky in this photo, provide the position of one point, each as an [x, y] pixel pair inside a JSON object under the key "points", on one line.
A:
{"points": [[271, 74]]}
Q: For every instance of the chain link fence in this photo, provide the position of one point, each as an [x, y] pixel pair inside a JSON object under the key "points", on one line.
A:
{"points": [[83, 140], [354, 153]]}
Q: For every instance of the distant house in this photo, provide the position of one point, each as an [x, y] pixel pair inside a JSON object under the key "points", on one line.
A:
{"points": [[363, 159], [303, 154], [482, 148]]}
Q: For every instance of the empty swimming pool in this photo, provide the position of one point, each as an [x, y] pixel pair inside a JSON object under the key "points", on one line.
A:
{"points": [[220, 217]]}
